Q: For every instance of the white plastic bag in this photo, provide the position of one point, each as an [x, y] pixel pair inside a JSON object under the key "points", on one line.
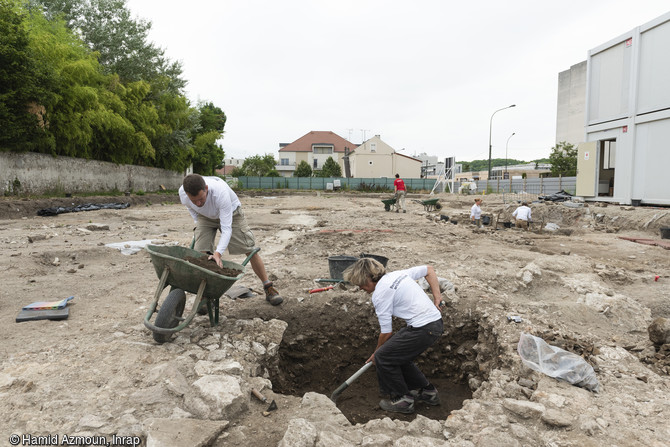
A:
{"points": [[556, 362]]}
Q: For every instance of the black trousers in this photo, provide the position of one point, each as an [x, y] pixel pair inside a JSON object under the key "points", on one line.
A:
{"points": [[394, 360]]}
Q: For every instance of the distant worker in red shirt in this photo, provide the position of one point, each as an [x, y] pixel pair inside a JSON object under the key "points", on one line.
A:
{"points": [[399, 187]]}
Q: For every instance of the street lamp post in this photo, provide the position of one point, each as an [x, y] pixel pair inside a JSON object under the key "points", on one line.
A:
{"points": [[490, 129], [507, 144]]}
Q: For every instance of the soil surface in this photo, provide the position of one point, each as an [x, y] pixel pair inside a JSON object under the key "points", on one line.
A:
{"points": [[576, 283], [210, 264]]}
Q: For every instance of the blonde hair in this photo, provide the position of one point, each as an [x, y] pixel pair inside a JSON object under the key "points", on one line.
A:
{"points": [[363, 270]]}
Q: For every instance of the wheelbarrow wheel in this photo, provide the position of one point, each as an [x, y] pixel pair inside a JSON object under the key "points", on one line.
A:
{"points": [[169, 314], [438, 206]]}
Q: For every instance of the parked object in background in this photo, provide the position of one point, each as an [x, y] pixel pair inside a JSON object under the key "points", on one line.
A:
{"points": [[560, 196]]}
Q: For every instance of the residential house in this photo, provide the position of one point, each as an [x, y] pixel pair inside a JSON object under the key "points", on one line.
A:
{"points": [[314, 148], [374, 159], [229, 164]]}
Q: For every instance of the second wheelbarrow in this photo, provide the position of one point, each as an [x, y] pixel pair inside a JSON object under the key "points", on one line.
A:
{"points": [[174, 270], [430, 204], [388, 203]]}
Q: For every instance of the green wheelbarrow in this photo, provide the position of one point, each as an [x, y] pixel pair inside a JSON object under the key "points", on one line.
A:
{"points": [[430, 204], [173, 270], [388, 203]]}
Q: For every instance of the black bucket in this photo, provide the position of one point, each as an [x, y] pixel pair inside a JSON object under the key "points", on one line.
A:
{"points": [[665, 232], [486, 220], [337, 265], [507, 224], [381, 259]]}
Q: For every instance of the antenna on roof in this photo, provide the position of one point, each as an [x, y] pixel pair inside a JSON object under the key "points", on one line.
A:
{"points": [[350, 131], [364, 131]]}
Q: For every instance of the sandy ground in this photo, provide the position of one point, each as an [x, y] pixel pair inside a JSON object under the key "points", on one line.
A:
{"points": [[96, 372]]}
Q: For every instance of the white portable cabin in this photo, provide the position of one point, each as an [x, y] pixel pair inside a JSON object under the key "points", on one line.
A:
{"points": [[626, 157]]}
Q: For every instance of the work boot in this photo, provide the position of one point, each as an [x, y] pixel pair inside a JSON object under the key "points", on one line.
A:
{"points": [[425, 395], [271, 294], [402, 404]]}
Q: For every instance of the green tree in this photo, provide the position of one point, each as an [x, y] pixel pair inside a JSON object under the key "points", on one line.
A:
{"points": [[563, 159], [330, 169], [303, 170], [258, 165], [207, 155], [122, 42], [23, 85], [178, 125], [238, 172], [86, 111], [211, 117]]}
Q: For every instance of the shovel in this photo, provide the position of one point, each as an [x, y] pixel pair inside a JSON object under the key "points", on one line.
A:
{"points": [[259, 396], [349, 381]]}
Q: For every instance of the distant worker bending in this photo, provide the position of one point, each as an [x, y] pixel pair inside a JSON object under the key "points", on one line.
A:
{"points": [[399, 187], [522, 216]]}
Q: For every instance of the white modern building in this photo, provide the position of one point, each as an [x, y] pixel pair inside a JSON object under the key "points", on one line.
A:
{"points": [[626, 153]]}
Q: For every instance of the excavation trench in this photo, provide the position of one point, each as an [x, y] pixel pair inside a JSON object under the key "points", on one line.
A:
{"points": [[323, 348]]}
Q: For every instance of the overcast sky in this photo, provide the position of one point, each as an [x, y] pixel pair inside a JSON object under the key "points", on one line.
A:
{"points": [[425, 75]]}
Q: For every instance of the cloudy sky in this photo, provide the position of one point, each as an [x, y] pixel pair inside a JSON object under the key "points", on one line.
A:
{"points": [[425, 75]]}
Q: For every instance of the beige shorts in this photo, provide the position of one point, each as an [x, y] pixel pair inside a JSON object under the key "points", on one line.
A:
{"points": [[241, 241]]}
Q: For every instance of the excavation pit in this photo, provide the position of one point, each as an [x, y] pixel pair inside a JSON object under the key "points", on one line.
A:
{"points": [[320, 350]]}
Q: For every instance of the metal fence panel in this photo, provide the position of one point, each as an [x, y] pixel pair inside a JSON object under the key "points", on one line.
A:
{"points": [[534, 186]]}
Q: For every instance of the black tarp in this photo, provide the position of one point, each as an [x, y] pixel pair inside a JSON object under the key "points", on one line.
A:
{"points": [[83, 207], [560, 196]]}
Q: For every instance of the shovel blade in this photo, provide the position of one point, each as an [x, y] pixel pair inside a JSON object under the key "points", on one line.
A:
{"points": [[273, 406]]}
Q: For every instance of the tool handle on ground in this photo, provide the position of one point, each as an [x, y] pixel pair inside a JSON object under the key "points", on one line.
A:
{"points": [[258, 395], [349, 381], [322, 289]]}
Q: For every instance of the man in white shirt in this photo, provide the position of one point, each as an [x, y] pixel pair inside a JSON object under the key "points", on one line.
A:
{"points": [[397, 294], [214, 206], [522, 216]]}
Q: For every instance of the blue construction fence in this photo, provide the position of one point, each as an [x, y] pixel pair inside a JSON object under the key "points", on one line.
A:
{"points": [[536, 186], [321, 183]]}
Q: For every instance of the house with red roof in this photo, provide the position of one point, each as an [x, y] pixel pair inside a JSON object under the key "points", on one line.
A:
{"points": [[373, 158], [314, 147]]}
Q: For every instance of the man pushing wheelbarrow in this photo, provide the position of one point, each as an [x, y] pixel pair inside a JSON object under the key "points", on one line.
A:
{"points": [[400, 190]]}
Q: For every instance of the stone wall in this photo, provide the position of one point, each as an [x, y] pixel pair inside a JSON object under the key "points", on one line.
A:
{"points": [[32, 173]]}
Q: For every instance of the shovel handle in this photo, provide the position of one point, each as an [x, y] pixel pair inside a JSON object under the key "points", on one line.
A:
{"points": [[322, 289], [349, 381]]}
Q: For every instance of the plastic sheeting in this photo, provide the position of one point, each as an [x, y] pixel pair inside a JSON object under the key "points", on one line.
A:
{"points": [[83, 207], [555, 362]]}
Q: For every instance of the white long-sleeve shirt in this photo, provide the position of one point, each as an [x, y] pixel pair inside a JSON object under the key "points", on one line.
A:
{"points": [[476, 211], [397, 294], [522, 213], [220, 203]]}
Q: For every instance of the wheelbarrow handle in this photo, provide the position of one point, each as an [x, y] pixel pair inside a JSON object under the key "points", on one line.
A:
{"points": [[251, 255]]}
